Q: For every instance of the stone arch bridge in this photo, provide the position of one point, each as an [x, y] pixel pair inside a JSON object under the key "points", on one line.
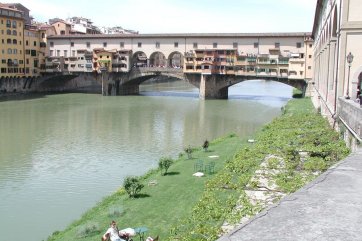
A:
{"points": [[211, 86]]}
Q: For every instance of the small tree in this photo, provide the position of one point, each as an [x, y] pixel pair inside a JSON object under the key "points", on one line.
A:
{"points": [[188, 150], [205, 145], [132, 186], [164, 164]]}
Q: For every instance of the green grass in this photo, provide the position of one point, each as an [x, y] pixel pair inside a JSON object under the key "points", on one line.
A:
{"points": [[161, 206]]}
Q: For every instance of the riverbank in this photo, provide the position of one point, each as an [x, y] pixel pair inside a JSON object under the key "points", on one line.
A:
{"points": [[299, 145]]}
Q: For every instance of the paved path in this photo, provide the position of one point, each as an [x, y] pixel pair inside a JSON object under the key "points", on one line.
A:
{"points": [[329, 208]]}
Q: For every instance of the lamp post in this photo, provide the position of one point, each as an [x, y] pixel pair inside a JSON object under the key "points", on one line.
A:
{"points": [[349, 61]]}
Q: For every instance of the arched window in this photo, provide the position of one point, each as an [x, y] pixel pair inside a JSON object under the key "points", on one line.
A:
{"points": [[15, 33], [8, 32], [8, 23], [8, 41], [14, 24], [15, 41], [10, 51]]}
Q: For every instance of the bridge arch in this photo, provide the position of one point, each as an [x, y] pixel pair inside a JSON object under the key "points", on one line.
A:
{"points": [[158, 59], [175, 60], [139, 59]]}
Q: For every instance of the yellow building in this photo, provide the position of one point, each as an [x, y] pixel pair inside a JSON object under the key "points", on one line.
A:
{"points": [[32, 40], [12, 42]]}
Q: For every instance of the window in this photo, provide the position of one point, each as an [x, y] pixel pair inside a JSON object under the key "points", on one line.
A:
{"points": [[65, 53], [15, 33], [10, 51], [8, 32], [27, 43], [15, 51], [195, 45], [8, 41], [14, 24], [235, 45], [3, 61], [301, 56], [62, 32], [36, 63], [214, 45], [309, 67], [73, 53], [157, 45], [139, 44], [71, 44], [310, 56], [42, 35], [310, 45], [3, 70], [299, 45], [51, 44], [104, 44], [121, 44], [301, 72], [8, 23], [15, 41], [51, 52], [58, 52], [33, 52], [34, 43], [277, 45], [27, 51], [88, 45], [21, 61], [256, 45], [175, 44]]}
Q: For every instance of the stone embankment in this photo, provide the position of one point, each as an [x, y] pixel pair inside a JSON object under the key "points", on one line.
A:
{"points": [[50, 83]]}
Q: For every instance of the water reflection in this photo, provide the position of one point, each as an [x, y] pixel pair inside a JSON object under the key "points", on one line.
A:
{"points": [[61, 154]]}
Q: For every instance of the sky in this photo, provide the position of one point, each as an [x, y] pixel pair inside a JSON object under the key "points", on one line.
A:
{"points": [[183, 16]]}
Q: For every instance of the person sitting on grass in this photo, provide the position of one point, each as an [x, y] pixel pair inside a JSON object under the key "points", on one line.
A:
{"points": [[113, 234]]}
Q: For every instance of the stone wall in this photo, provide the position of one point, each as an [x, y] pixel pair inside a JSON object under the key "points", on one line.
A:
{"points": [[350, 116], [84, 82]]}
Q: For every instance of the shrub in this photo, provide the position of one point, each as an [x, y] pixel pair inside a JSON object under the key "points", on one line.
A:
{"points": [[88, 230], [205, 145], [164, 164], [189, 151], [132, 186], [115, 211]]}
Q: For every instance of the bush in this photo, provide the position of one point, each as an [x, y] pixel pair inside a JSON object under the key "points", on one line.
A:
{"points": [[205, 145], [88, 230], [189, 151], [164, 164], [132, 186], [115, 212]]}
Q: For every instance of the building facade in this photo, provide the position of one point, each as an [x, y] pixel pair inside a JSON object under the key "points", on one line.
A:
{"points": [[278, 54], [337, 32], [12, 39]]}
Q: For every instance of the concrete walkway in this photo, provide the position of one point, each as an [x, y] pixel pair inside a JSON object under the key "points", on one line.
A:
{"points": [[329, 208]]}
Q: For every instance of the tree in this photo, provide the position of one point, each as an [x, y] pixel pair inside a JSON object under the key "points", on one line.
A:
{"points": [[132, 186], [164, 164], [205, 145]]}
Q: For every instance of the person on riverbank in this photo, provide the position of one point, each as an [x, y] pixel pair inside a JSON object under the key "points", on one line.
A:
{"points": [[112, 233]]}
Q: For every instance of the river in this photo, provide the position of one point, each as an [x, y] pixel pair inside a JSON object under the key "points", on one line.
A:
{"points": [[61, 154]]}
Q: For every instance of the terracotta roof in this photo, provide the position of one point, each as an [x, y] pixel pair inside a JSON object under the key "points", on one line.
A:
{"points": [[6, 6]]}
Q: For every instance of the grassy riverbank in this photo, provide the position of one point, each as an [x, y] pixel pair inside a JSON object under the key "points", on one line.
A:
{"points": [[289, 152]]}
